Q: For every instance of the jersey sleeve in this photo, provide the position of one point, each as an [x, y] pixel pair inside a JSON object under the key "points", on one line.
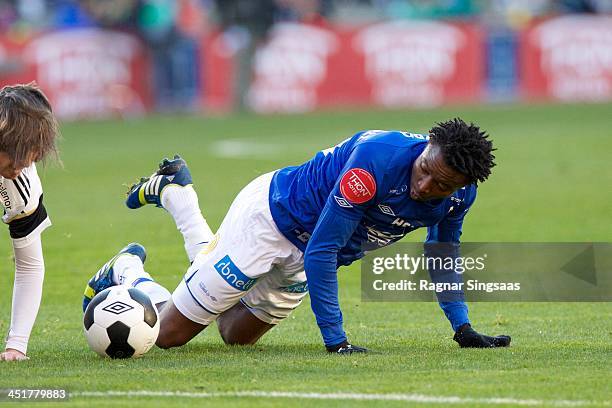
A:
{"points": [[361, 182], [24, 211], [443, 241]]}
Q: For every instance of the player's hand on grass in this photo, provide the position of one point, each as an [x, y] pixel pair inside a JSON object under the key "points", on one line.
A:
{"points": [[13, 355], [346, 348], [468, 337]]}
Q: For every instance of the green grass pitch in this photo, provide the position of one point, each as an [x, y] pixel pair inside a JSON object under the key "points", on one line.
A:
{"points": [[552, 183]]}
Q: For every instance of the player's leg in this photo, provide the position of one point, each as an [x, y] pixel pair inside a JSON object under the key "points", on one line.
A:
{"points": [[126, 268], [238, 325], [267, 304], [171, 188], [244, 251], [212, 285], [174, 328]]}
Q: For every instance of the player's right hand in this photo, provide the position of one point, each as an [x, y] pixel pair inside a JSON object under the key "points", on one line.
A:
{"points": [[468, 337], [346, 348]]}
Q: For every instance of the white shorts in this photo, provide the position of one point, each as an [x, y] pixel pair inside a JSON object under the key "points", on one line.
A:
{"points": [[249, 261]]}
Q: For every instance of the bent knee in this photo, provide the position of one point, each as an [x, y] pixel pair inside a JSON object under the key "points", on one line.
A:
{"points": [[230, 335], [166, 341], [175, 329]]}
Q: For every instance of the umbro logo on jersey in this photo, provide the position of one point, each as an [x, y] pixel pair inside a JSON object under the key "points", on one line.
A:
{"points": [[342, 202], [386, 209]]}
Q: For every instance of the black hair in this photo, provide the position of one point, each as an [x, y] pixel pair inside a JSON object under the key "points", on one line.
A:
{"points": [[465, 148]]}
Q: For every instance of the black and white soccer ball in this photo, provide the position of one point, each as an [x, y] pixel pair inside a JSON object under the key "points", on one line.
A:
{"points": [[121, 322]]}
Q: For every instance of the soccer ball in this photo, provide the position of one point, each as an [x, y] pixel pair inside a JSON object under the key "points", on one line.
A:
{"points": [[121, 322]]}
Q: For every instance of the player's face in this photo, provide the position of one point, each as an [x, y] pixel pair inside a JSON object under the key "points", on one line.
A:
{"points": [[11, 170], [432, 178]]}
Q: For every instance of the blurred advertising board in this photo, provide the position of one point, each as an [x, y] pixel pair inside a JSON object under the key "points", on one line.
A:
{"points": [[86, 73], [568, 59], [391, 64]]}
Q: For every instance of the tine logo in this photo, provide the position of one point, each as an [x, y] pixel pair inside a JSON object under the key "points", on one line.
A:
{"points": [[357, 186], [117, 308]]}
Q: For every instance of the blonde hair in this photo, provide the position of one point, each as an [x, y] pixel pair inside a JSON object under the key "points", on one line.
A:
{"points": [[28, 128]]}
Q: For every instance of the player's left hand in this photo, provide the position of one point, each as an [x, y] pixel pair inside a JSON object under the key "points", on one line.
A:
{"points": [[468, 337], [346, 348], [13, 355]]}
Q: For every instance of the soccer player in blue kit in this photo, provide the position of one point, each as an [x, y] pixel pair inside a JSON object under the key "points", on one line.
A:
{"points": [[300, 224]]}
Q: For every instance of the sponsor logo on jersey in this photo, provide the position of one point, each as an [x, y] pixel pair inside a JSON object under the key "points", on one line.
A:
{"points": [[401, 223], [300, 287], [232, 275], [381, 238], [357, 186], [416, 135], [401, 189], [303, 236], [6, 200], [456, 200]]}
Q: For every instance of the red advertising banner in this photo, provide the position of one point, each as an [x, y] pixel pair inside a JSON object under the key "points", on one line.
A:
{"points": [[568, 59], [421, 63], [86, 72], [392, 64]]}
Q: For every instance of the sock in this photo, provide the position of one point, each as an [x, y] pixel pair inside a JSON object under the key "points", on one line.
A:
{"points": [[128, 270], [182, 204], [156, 292]]}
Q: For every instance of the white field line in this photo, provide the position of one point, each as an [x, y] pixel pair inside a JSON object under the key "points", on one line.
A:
{"points": [[417, 398], [245, 148]]}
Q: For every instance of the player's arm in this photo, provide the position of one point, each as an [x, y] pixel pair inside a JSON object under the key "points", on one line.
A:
{"points": [[320, 263], [443, 240], [354, 192], [26, 217]]}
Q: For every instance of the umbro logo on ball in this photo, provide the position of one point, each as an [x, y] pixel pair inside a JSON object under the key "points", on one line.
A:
{"points": [[117, 308]]}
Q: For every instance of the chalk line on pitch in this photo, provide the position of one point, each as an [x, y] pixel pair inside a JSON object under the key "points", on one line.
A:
{"points": [[417, 398]]}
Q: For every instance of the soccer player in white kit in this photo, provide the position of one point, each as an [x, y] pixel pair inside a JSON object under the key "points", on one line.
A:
{"points": [[28, 133]]}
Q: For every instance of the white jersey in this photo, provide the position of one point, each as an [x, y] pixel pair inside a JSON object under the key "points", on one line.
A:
{"points": [[24, 211]]}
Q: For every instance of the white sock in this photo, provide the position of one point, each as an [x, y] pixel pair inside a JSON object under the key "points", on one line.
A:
{"points": [[156, 292], [27, 292], [128, 270], [182, 204]]}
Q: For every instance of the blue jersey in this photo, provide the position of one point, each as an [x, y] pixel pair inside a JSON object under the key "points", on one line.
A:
{"points": [[353, 198]]}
